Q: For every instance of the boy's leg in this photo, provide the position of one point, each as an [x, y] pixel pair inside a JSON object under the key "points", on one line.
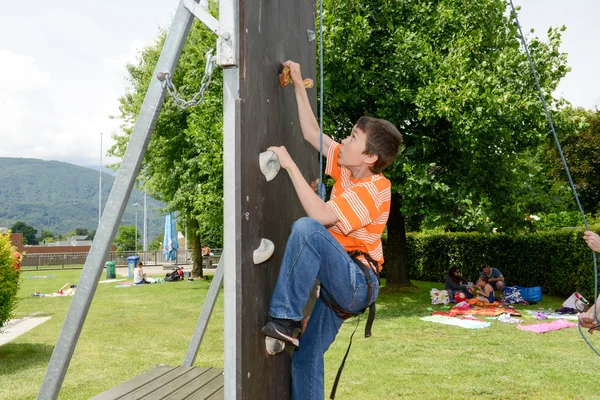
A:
{"points": [[307, 363], [311, 252]]}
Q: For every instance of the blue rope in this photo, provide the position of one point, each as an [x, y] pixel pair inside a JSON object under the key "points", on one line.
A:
{"points": [[562, 156], [321, 185]]}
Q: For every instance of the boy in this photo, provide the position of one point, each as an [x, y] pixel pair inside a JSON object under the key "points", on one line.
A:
{"points": [[352, 221]]}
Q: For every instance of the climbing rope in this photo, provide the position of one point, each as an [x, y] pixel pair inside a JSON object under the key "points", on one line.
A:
{"points": [[320, 184], [562, 156], [166, 78]]}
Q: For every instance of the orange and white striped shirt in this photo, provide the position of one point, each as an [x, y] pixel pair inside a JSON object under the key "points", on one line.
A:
{"points": [[362, 205]]}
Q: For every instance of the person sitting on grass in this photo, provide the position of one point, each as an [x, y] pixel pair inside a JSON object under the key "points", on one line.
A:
{"points": [[454, 284], [139, 276], [495, 277], [484, 291]]}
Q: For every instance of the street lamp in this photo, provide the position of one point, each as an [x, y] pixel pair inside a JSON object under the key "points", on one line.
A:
{"points": [[135, 205]]}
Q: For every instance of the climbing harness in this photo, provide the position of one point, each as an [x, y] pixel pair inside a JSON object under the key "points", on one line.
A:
{"points": [[562, 156], [330, 302], [166, 78]]}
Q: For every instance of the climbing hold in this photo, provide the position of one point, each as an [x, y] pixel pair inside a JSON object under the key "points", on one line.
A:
{"points": [[264, 251], [285, 78], [269, 164], [273, 345], [311, 35]]}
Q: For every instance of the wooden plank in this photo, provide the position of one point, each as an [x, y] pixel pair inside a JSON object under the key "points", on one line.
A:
{"points": [[211, 377], [179, 373], [271, 32], [165, 382], [133, 384]]}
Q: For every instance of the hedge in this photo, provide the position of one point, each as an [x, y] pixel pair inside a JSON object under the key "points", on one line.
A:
{"points": [[558, 261], [9, 279]]}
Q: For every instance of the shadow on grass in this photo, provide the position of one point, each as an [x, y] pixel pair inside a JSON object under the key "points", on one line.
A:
{"points": [[22, 356]]}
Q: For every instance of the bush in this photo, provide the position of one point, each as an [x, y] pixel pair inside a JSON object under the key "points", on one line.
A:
{"points": [[559, 261], [9, 279]]}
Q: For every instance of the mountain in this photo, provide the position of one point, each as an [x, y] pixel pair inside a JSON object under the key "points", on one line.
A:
{"points": [[60, 197]]}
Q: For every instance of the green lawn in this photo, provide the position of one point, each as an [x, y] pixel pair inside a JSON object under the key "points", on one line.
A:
{"points": [[129, 330]]}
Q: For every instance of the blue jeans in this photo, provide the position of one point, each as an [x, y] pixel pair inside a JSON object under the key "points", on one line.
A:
{"points": [[312, 253]]}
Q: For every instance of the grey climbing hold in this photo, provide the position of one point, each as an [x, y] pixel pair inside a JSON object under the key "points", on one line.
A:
{"points": [[264, 251], [274, 346], [312, 36], [269, 164]]}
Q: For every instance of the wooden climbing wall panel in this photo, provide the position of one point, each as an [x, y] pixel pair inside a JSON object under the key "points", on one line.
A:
{"points": [[271, 32]]}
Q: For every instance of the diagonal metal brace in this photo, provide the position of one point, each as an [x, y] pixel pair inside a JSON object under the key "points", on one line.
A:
{"points": [[207, 308], [202, 14]]}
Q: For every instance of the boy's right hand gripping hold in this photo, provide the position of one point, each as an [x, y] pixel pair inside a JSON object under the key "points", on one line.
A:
{"points": [[291, 74]]}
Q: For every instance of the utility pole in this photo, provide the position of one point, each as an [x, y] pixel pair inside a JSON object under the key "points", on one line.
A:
{"points": [[100, 185], [145, 222], [135, 205]]}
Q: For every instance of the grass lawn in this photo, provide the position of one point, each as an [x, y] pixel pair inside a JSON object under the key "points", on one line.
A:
{"points": [[129, 330]]}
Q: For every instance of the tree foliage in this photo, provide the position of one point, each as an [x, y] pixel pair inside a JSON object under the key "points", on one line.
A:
{"points": [[28, 231], [126, 238], [579, 132], [9, 279]]}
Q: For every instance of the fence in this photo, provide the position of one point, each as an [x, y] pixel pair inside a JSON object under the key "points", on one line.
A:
{"points": [[47, 261]]}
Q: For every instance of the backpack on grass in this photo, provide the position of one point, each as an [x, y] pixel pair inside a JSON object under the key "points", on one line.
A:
{"points": [[175, 275]]}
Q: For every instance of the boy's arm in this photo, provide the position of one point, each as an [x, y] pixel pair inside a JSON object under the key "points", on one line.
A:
{"points": [[313, 205], [308, 123]]}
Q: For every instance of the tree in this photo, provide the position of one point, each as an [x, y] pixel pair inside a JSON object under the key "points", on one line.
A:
{"points": [[9, 279], [126, 238], [156, 243], [81, 232], [183, 165], [28, 231], [47, 236], [579, 132], [453, 77]]}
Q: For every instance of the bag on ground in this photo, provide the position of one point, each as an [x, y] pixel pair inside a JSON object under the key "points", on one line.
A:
{"points": [[576, 302]]}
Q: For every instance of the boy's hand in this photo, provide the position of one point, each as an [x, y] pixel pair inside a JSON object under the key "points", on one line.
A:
{"points": [[295, 73], [593, 240], [285, 160]]}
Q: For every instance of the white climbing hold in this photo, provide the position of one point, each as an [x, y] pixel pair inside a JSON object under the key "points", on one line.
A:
{"points": [[274, 346], [269, 164], [264, 251]]}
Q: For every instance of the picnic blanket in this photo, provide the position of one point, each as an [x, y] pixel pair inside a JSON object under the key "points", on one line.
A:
{"points": [[466, 323], [551, 315], [476, 310], [544, 327]]}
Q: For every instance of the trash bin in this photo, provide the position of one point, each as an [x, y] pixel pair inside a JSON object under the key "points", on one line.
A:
{"points": [[131, 264], [111, 269]]}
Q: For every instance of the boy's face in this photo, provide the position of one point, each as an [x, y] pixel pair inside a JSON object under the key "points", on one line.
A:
{"points": [[352, 149]]}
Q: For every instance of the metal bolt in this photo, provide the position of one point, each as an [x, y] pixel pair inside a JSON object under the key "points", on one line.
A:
{"points": [[161, 76], [226, 35]]}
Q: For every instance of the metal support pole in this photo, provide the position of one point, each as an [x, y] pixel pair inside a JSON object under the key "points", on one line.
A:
{"points": [[227, 58], [115, 206], [207, 308]]}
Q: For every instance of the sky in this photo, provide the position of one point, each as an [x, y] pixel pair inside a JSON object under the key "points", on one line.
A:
{"points": [[62, 67]]}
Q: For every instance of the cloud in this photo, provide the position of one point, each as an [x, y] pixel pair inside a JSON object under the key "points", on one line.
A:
{"points": [[60, 117]]}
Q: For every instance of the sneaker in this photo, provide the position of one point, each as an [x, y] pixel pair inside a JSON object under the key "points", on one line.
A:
{"points": [[284, 329]]}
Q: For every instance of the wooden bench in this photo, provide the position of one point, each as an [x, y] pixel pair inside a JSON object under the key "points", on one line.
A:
{"points": [[173, 383]]}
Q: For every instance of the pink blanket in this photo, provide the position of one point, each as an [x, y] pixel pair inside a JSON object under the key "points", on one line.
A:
{"points": [[547, 326]]}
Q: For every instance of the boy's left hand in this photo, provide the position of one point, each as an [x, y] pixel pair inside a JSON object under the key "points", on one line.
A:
{"points": [[285, 160]]}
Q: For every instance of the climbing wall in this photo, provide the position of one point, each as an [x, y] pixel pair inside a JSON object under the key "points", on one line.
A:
{"points": [[271, 32]]}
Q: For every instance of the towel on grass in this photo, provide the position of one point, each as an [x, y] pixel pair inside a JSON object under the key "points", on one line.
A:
{"points": [[547, 326], [463, 323], [483, 311]]}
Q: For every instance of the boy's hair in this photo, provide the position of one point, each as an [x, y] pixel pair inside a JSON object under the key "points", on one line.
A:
{"points": [[383, 140]]}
